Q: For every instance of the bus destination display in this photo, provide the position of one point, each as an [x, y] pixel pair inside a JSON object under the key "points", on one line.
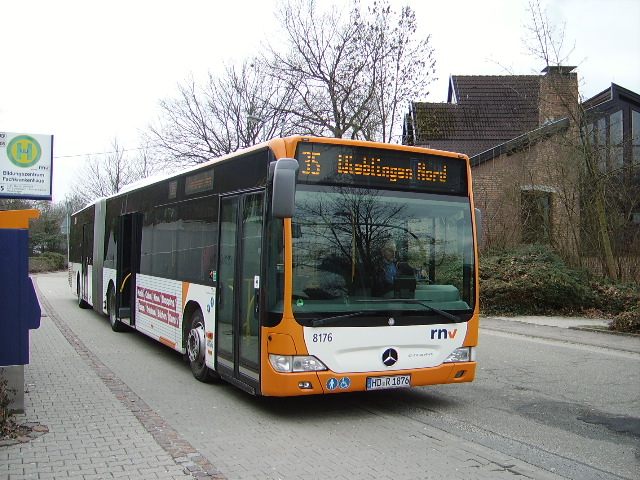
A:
{"points": [[198, 183], [340, 164]]}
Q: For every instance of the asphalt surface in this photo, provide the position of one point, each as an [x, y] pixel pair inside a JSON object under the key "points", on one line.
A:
{"points": [[90, 425]]}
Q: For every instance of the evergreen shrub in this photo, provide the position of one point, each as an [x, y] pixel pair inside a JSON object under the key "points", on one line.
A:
{"points": [[48, 262], [532, 280]]}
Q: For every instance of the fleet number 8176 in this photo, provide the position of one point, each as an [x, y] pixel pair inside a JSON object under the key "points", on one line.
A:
{"points": [[322, 337]]}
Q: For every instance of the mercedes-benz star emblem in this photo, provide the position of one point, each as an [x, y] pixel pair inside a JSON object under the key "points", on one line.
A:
{"points": [[389, 357]]}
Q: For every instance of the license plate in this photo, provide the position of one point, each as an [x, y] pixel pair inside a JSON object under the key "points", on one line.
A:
{"points": [[393, 381]]}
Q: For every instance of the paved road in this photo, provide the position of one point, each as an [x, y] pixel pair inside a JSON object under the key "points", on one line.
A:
{"points": [[567, 406], [124, 393]]}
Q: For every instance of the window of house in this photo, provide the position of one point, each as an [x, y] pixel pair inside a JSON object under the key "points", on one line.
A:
{"points": [[536, 216], [616, 140], [635, 137], [607, 135], [601, 142]]}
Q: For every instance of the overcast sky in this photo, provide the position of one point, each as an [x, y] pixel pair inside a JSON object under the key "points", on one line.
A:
{"points": [[88, 71]]}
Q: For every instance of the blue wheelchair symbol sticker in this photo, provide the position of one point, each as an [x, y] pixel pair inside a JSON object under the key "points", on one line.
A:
{"points": [[345, 383]]}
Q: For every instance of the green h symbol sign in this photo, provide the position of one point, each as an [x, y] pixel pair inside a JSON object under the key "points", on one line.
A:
{"points": [[23, 150]]}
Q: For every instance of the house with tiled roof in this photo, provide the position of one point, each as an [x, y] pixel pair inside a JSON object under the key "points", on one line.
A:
{"points": [[484, 111], [523, 136]]}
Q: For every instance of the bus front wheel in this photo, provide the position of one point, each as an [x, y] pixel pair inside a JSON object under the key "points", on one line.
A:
{"points": [[196, 348]]}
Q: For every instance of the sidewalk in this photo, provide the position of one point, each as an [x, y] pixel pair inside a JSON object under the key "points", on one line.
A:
{"points": [[563, 322], [585, 331], [91, 435]]}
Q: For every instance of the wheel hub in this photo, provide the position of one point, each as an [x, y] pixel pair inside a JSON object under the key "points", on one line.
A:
{"points": [[195, 344]]}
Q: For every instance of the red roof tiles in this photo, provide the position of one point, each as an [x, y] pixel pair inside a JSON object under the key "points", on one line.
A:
{"points": [[483, 111]]}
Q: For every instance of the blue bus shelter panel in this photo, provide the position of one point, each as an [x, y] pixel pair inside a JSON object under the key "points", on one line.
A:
{"points": [[19, 307]]}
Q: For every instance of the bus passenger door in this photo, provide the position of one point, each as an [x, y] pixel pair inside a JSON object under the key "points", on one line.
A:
{"points": [[128, 264], [238, 342], [86, 260]]}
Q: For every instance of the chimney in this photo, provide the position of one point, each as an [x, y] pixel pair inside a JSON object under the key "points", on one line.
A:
{"points": [[559, 97]]}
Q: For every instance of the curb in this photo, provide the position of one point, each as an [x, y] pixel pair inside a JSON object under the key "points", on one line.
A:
{"points": [[610, 332]]}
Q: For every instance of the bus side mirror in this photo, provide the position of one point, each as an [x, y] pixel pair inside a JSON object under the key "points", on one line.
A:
{"points": [[285, 176], [478, 226]]}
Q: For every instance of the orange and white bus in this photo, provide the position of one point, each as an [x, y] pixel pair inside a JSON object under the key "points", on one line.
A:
{"points": [[299, 266]]}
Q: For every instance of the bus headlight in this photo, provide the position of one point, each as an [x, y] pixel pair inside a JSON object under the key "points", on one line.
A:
{"points": [[462, 354], [296, 363]]}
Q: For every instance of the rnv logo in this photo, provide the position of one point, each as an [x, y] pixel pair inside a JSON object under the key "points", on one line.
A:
{"points": [[443, 333]]}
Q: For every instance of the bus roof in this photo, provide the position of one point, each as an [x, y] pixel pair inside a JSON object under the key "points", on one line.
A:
{"points": [[282, 147]]}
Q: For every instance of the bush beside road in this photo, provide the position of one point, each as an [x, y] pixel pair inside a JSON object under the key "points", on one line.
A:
{"points": [[536, 281]]}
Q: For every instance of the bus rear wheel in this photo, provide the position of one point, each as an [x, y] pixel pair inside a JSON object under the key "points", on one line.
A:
{"points": [[81, 302], [196, 348], [116, 325]]}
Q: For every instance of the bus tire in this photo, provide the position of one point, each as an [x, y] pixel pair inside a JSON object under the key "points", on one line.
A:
{"points": [[81, 302], [116, 325], [197, 347]]}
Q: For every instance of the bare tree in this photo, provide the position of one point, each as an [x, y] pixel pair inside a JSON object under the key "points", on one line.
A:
{"points": [[349, 71], [608, 193], [256, 104], [104, 175], [543, 39], [405, 66], [341, 73], [239, 108], [15, 204], [323, 67]]}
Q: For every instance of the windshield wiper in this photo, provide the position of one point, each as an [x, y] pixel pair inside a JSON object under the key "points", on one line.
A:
{"points": [[416, 302], [321, 322]]}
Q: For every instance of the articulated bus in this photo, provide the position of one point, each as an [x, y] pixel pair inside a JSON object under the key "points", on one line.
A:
{"points": [[299, 266]]}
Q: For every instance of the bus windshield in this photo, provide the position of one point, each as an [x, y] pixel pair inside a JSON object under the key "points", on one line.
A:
{"points": [[358, 250]]}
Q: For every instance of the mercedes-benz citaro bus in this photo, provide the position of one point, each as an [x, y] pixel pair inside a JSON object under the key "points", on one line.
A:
{"points": [[299, 266]]}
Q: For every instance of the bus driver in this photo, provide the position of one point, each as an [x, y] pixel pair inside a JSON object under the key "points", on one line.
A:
{"points": [[388, 271]]}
